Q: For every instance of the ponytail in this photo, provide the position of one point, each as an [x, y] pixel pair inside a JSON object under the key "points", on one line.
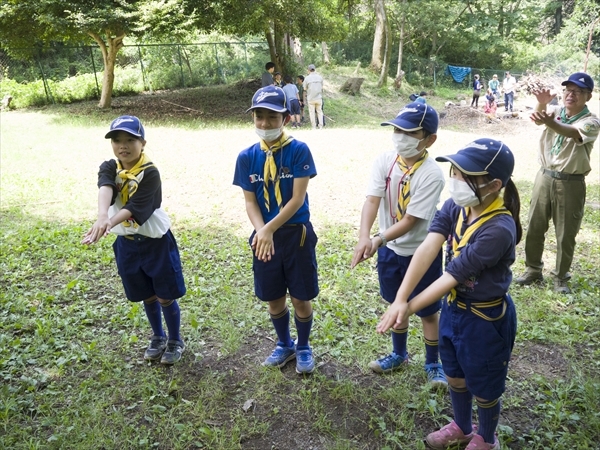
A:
{"points": [[513, 204]]}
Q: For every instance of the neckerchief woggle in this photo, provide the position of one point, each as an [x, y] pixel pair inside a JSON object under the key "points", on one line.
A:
{"points": [[404, 197], [460, 241], [567, 121], [130, 177], [270, 168]]}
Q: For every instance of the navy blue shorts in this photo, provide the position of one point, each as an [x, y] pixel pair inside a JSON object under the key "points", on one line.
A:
{"points": [[392, 268], [475, 348], [293, 267], [294, 106], [149, 267]]}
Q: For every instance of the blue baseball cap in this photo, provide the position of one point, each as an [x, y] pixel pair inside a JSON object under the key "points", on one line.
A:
{"points": [[129, 124], [581, 79], [269, 97], [416, 116], [484, 157]]}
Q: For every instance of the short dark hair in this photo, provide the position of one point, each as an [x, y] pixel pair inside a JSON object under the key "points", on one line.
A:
{"points": [[287, 78], [269, 65], [301, 77]]}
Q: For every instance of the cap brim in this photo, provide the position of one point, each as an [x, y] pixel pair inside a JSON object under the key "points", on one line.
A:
{"points": [[402, 125], [271, 108], [114, 131], [465, 165], [576, 83]]}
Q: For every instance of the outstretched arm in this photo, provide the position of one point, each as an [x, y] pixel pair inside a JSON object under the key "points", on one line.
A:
{"points": [[104, 224], [364, 248], [400, 311]]}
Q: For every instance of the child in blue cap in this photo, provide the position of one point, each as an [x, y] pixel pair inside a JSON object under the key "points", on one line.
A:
{"points": [[404, 190], [480, 226], [129, 200], [274, 175]]}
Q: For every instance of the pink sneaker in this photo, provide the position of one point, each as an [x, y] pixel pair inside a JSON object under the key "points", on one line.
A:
{"points": [[447, 436], [477, 443]]}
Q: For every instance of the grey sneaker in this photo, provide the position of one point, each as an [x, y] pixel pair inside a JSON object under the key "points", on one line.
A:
{"points": [[173, 352], [529, 277], [561, 286], [156, 348]]}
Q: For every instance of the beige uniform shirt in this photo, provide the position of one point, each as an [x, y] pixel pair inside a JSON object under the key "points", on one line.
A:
{"points": [[574, 156]]}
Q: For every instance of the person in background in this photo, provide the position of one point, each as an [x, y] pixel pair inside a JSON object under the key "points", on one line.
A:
{"points": [[293, 100], [490, 103], [277, 79], [313, 84], [494, 85], [508, 86], [476, 91], [302, 95], [267, 76]]}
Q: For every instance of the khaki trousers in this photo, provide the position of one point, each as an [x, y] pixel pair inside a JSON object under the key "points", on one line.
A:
{"points": [[564, 202]]}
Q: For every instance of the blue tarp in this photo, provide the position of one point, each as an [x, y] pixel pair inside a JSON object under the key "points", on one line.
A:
{"points": [[458, 73]]}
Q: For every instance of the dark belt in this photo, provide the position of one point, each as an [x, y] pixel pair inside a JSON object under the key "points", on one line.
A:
{"points": [[563, 176], [135, 237]]}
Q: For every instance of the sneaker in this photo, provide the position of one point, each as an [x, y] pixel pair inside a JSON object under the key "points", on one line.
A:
{"points": [[305, 363], [173, 352], [280, 356], [435, 375], [156, 348], [529, 277], [477, 443], [448, 436], [561, 286], [388, 363]]}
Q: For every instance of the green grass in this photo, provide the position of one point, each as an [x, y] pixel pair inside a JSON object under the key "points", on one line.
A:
{"points": [[72, 375]]}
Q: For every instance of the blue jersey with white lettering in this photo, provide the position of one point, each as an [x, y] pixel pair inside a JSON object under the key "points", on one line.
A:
{"points": [[293, 161]]}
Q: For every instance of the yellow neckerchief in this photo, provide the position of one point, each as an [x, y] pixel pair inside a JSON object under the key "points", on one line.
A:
{"points": [[270, 168], [404, 197], [460, 241], [130, 177]]}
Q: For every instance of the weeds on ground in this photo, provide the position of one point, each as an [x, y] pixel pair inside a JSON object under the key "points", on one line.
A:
{"points": [[73, 376]]}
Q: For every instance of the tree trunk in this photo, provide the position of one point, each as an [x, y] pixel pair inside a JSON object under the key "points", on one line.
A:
{"points": [[272, 48], [379, 38], [399, 71], [385, 68], [109, 49]]}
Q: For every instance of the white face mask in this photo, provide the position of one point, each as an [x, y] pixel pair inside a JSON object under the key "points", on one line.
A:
{"points": [[268, 135], [463, 195], [405, 145]]}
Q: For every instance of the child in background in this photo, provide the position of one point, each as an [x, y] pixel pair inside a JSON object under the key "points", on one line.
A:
{"points": [[293, 100], [477, 86], [274, 175], [490, 103], [147, 257], [403, 191], [277, 79], [478, 322]]}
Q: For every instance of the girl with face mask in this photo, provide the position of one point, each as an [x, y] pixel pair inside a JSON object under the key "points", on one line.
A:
{"points": [[480, 226]]}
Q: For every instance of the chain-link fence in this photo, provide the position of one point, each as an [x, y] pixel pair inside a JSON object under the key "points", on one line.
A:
{"points": [[63, 74]]}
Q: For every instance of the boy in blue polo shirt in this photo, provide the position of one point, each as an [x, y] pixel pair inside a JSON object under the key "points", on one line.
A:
{"points": [[274, 175], [129, 199]]}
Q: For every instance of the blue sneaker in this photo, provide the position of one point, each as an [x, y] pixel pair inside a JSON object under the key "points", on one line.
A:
{"points": [[435, 375], [280, 356], [305, 363], [388, 363]]}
